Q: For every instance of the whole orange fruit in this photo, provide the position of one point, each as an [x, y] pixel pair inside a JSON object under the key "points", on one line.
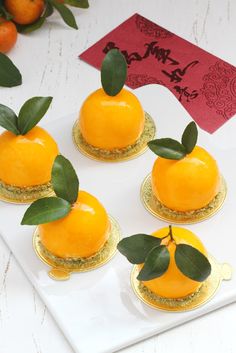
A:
{"points": [[25, 11], [8, 35], [81, 233], [187, 184], [26, 160], [110, 122], [173, 283]]}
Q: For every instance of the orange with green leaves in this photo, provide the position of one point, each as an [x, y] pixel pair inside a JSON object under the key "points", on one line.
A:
{"points": [[25, 11], [30, 15]]}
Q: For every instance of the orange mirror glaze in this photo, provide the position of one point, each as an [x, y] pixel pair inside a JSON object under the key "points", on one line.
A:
{"points": [[110, 122], [173, 283], [26, 160], [186, 184], [81, 233]]}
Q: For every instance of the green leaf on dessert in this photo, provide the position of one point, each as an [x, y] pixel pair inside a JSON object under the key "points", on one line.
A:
{"points": [[113, 72], [136, 247], [156, 264], [83, 4], [10, 76], [46, 210], [32, 112], [64, 179], [192, 263], [189, 137], [8, 119], [167, 148], [65, 13]]}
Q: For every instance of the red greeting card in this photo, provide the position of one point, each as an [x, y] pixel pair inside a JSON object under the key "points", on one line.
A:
{"points": [[204, 84]]}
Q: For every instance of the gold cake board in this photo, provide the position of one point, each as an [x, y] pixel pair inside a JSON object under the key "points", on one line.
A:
{"points": [[62, 269], [208, 289], [116, 155], [154, 206]]}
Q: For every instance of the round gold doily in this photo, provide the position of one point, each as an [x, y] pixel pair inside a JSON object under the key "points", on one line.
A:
{"points": [[207, 290], [116, 155], [24, 195], [157, 209], [61, 269]]}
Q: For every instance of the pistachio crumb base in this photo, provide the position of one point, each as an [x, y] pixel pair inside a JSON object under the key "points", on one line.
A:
{"points": [[71, 265], [16, 194], [206, 291], [116, 155], [156, 208]]}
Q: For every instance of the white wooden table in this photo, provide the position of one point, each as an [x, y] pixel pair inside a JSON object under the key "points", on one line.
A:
{"points": [[49, 65]]}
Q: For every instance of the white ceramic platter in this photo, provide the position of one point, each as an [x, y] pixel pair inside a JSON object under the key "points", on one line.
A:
{"points": [[97, 311]]}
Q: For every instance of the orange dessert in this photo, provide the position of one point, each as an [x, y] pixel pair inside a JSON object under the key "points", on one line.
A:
{"points": [[111, 119], [81, 233], [27, 152], [111, 122], [73, 226], [173, 262], [185, 178]]}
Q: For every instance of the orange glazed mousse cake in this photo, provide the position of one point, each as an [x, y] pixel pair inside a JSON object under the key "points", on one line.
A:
{"points": [[185, 184], [112, 124], [171, 265], [27, 152], [74, 230]]}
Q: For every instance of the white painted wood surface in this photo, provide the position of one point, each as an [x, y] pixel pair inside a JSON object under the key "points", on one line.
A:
{"points": [[49, 65]]}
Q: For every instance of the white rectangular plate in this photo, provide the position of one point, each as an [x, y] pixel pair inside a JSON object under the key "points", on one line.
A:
{"points": [[97, 311]]}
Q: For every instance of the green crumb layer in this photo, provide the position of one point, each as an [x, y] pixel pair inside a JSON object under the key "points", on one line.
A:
{"points": [[81, 264], [155, 299], [21, 194], [159, 209], [117, 154]]}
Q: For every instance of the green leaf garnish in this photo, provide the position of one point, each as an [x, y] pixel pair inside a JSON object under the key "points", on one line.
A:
{"points": [[156, 264], [65, 13], [10, 76], [83, 4], [189, 137], [64, 179], [136, 247], [192, 263], [32, 112], [167, 148], [172, 149], [8, 119], [46, 210], [113, 72]]}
